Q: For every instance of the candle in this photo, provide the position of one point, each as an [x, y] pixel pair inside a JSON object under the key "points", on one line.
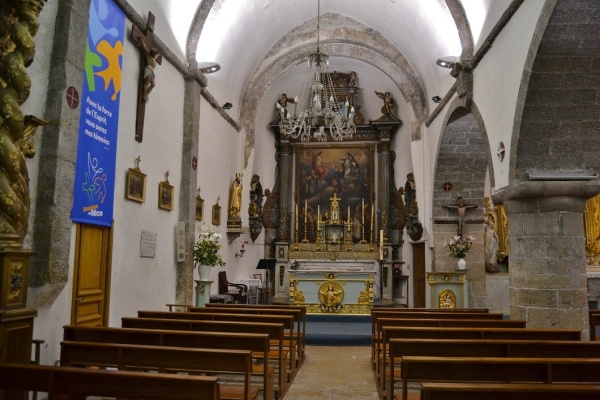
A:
{"points": [[348, 214], [319, 213], [296, 216], [305, 210], [363, 211], [381, 236]]}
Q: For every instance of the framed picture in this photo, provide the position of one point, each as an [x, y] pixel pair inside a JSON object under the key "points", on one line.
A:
{"points": [[216, 214], [165, 196], [136, 185], [199, 208], [348, 171]]}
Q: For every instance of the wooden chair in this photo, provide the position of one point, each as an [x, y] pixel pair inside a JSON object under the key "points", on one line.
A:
{"points": [[239, 291]]}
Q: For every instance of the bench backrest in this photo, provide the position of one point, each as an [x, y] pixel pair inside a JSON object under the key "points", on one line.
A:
{"points": [[159, 358], [512, 391], [58, 381]]}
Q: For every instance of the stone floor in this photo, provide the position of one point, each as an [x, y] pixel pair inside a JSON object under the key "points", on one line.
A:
{"points": [[335, 373]]}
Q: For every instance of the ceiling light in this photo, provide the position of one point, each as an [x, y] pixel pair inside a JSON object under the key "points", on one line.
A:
{"points": [[325, 113], [227, 106], [446, 62], [436, 99], [209, 67]]}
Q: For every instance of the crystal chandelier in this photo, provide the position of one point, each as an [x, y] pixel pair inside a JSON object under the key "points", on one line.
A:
{"points": [[325, 115]]}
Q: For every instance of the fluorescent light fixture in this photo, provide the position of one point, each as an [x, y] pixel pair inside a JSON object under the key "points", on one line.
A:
{"points": [[209, 67], [562, 176]]}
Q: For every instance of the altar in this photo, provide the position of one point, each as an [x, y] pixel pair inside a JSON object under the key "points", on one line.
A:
{"points": [[343, 291]]}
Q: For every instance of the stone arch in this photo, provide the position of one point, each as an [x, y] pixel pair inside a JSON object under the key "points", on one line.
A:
{"points": [[463, 158], [462, 26], [558, 114], [344, 37]]}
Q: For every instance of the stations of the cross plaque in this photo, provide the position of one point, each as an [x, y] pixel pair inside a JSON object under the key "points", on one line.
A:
{"points": [[151, 57]]}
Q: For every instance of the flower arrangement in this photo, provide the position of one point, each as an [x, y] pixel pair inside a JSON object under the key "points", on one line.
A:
{"points": [[458, 246], [294, 264], [206, 249]]}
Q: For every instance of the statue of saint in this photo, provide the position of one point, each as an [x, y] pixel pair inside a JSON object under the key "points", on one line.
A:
{"points": [[236, 197], [329, 296]]}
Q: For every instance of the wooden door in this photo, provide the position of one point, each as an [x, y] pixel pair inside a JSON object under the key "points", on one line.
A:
{"points": [[418, 274], [91, 283]]}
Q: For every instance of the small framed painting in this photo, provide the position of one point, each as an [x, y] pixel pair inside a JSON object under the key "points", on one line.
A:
{"points": [[199, 208], [216, 214], [136, 185], [165, 196]]}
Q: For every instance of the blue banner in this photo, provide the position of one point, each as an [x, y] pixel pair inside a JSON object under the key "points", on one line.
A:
{"points": [[93, 194]]}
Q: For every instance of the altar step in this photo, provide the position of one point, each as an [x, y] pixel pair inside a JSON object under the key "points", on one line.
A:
{"points": [[338, 330]]}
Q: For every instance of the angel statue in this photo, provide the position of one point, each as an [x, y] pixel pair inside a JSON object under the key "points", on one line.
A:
{"points": [[388, 102]]}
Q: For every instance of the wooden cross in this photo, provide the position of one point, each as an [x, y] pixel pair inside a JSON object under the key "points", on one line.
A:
{"points": [[137, 161], [167, 176], [151, 57]]}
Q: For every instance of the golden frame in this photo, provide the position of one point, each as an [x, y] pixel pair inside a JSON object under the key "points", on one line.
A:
{"points": [[199, 208], [136, 185], [216, 214], [166, 193]]}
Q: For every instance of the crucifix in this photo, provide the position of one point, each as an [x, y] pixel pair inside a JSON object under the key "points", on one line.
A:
{"points": [[147, 79], [461, 207]]}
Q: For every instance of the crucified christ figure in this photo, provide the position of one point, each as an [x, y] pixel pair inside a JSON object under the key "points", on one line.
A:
{"points": [[461, 208]]}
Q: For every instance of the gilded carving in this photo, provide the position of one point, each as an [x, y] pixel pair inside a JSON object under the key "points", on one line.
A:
{"points": [[331, 295], [447, 299], [592, 231], [351, 309], [19, 23], [16, 283]]}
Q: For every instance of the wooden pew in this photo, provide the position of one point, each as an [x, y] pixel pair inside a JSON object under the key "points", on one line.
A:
{"points": [[462, 333], [275, 332], [508, 391], [378, 348], [286, 320], [501, 370], [402, 313], [594, 322], [60, 381], [254, 342], [400, 348], [165, 359], [298, 312]]}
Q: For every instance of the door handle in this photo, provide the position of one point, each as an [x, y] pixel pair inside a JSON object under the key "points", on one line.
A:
{"points": [[79, 299]]}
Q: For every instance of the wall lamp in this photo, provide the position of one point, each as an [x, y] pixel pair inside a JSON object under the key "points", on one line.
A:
{"points": [[446, 62], [209, 67], [227, 106], [562, 176], [240, 254], [436, 99]]}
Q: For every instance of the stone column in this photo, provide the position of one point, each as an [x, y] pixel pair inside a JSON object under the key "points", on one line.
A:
{"points": [[548, 281]]}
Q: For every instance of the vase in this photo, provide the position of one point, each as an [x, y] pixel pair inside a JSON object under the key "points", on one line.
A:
{"points": [[204, 272], [462, 264]]}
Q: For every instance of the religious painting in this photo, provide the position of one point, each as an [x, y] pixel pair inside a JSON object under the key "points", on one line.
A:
{"points": [[166, 193], [344, 170], [216, 214], [199, 208], [136, 185]]}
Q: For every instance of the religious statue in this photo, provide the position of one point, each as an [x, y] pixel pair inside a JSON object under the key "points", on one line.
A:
{"points": [[388, 102], [235, 204], [461, 208], [410, 190], [19, 23], [329, 296], [491, 244], [151, 56], [282, 104], [256, 189]]}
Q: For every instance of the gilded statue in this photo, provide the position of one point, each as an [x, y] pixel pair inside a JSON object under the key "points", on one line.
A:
{"points": [[236, 197], [19, 23], [330, 296]]}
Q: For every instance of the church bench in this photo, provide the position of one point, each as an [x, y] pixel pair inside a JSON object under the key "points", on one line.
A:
{"points": [[402, 313], [78, 382], [275, 332], [594, 322], [298, 312], [399, 348], [254, 342], [237, 363], [286, 320], [422, 309], [392, 332], [508, 391], [495, 369]]}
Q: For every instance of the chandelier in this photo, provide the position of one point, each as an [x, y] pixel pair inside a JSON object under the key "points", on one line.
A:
{"points": [[324, 115]]}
